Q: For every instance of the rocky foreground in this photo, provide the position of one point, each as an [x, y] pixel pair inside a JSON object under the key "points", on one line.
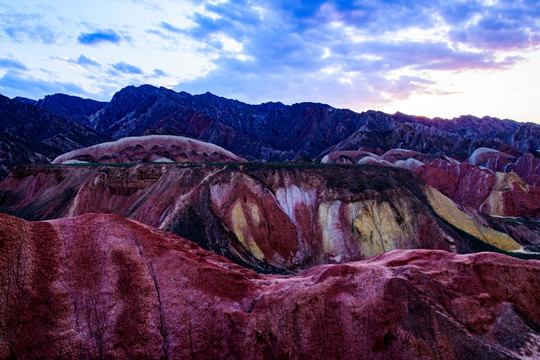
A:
{"points": [[97, 286]]}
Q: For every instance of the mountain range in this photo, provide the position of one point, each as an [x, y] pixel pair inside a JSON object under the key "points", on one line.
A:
{"points": [[168, 225], [265, 132]]}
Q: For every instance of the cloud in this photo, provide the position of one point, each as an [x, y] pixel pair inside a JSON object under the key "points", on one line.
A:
{"points": [[36, 33], [171, 28], [14, 82], [12, 64], [159, 33], [126, 68], [168, 32], [100, 36], [324, 49], [502, 35], [376, 17], [457, 13], [333, 51], [159, 73], [21, 27], [292, 86], [84, 61], [419, 55], [503, 26], [150, 4]]}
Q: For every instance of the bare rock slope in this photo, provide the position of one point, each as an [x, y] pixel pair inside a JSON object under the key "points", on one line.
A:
{"points": [[101, 286]]}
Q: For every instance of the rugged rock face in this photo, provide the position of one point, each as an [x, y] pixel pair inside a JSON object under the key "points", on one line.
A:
{"points": [[103, 286], [270, 217], [270, 131], [25, 100], [285, 132], [154, 148], [527, 137], [456, 137], [100, 286], [502, 194], [15, 150], [30, 134], [491, 159], [528, 168], [525, 230]]}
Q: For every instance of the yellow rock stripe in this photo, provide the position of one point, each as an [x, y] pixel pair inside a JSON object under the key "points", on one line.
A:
{"points": [[446, 209]]}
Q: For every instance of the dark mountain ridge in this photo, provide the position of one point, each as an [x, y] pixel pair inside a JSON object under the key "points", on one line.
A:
{"points": [[71, 107], [277, 132], [287, 131], [29, 134]]}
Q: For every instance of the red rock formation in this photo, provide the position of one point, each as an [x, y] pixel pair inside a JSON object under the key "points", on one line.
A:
{"points": [[346, 157], [464, 183], [286, 217], [152, 148], [100, 286], [525, 230], [502, 194], [527, 166], [400, 154]]}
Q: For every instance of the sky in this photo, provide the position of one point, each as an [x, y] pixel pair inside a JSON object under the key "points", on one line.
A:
{"points": [[420, 57]]}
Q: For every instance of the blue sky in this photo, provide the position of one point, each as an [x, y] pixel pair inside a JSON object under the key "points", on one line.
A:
{"points": [[433, 58]]}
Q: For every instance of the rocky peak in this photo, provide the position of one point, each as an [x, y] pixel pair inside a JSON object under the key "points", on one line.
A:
{"points": [[25, 100], [71, 107]]}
